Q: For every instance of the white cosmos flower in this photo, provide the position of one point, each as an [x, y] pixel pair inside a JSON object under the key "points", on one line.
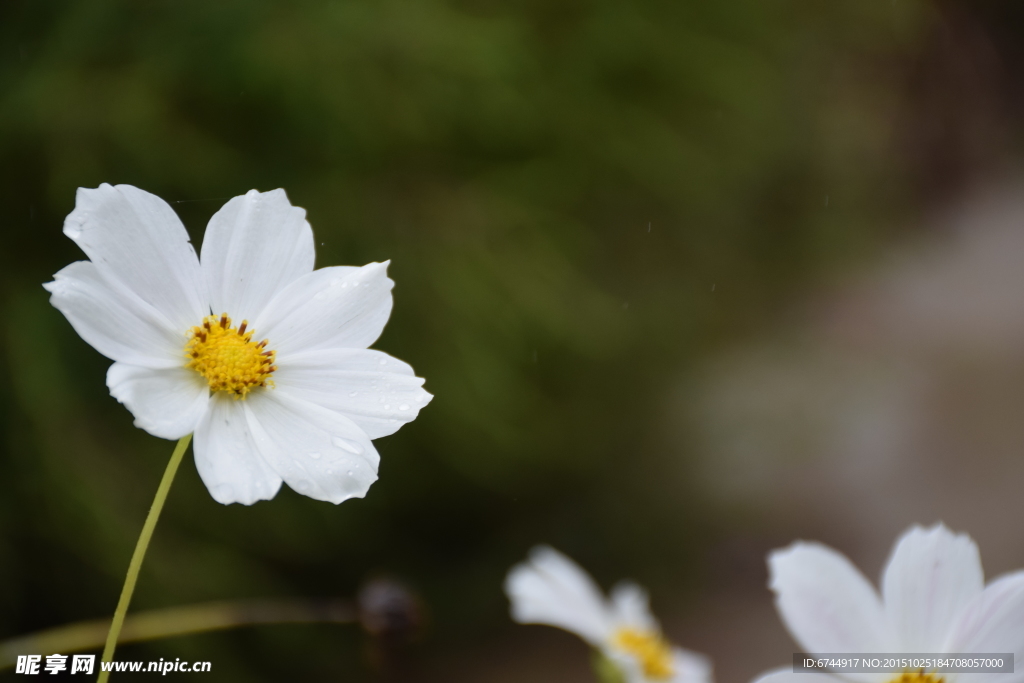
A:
{"points": [[934, 600], [262, 357], [549, 588]]}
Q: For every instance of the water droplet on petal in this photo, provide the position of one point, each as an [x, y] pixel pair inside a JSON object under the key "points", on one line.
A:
{"points": [[223, 492], [347, 445], [320, 295], [387, 406], [353, 393], [349, 473], [302, 486], [315, 455], [344, 285], [404, 406], [383, 361]]}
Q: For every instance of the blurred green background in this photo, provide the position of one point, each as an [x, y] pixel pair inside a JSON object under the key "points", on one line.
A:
{"points": [[581, 199]]}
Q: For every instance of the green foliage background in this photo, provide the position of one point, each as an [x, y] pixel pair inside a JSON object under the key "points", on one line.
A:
{"points": [[580, 199]]}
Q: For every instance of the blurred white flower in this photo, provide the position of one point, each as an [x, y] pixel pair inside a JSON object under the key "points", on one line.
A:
{"points": [[264, 358], [549, 588], [934, 600]]}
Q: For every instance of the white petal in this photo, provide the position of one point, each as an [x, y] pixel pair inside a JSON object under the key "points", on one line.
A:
{"points": [[690, 667], [827, 605], [318, 452], [137, 240], [331, 307], [379, 393], [254, 247], [549, 588], [166, 402], [993, 622], [227, 458], [786, 675], [631, 607], [931, 577], [113, 320]]}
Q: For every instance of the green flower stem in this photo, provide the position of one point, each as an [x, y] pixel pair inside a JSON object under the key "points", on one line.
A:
{"points": [[177, 621], [605, 669], [140, 552]]}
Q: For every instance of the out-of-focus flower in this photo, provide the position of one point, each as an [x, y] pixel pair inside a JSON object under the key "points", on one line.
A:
{"points": [[549, 588], [390, 610], [264, 358], [934, 600]]}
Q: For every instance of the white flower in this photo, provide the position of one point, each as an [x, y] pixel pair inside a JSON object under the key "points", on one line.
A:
{"points": [[262, 357], [934, 600], [552, 589]]}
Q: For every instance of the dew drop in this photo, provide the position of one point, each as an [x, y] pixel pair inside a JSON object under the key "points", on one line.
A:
{"points": [[387, 406], [315, 455], [404, 406], [349, 473], [383, 361], [223, 492], [320, 295], [302, 486], [353, 393], [347, 445], [344, 285]]}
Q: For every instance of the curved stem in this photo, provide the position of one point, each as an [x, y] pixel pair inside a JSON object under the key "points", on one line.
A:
{"points": [[169, 622], [140, 552]]}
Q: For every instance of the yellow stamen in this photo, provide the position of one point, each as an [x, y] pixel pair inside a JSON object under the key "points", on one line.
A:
{"points": [[653, 653], [227, 357], [917, 677]]}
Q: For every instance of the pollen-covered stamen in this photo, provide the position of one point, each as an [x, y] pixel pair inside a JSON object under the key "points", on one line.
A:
{"points": [[649, 648], [227, 357], [919, 676]]}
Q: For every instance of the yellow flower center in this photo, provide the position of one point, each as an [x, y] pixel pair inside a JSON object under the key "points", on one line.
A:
{"points": [[917, 677], [653, 653], [227, 357]]}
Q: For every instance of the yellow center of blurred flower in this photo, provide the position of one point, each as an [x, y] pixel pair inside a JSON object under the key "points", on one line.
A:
{"points": [[227, 357], [653, 653], [917, 677]]}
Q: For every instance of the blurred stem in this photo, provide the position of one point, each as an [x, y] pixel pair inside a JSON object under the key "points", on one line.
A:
{"points": [[605, 669], [140, 552], [177, 621]]}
